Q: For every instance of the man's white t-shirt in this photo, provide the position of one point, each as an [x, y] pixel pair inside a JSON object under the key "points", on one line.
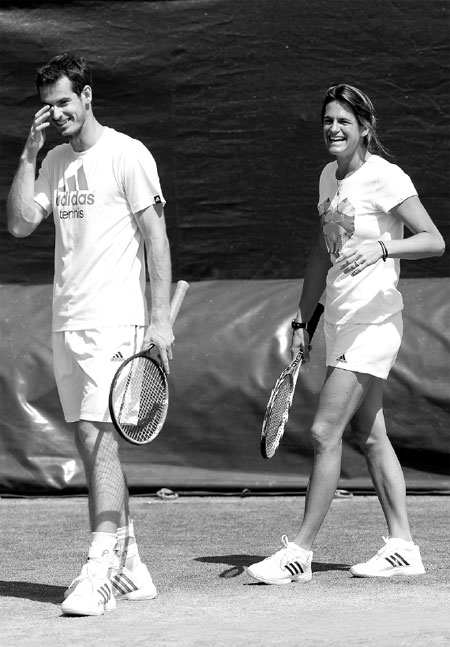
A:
{"points": [[99, 250], [359, 208]]}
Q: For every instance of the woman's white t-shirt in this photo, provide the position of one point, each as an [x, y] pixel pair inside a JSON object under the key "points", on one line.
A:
{"points": [[358, 208]]}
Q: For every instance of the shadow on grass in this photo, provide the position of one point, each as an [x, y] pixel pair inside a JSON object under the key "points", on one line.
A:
{"points": [[32, 591], [238, 563]]}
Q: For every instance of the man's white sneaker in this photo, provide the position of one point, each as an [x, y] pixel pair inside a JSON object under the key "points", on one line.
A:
{"points": [[397, 557], [73, 585], [90, 594], [289, 564], [133, 585]]}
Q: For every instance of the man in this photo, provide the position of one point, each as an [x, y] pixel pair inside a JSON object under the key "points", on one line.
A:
{"points": [[103, 190]]}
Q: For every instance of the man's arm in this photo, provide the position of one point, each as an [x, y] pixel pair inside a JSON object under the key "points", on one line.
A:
{"points": [[152, 225], [24, 214]]}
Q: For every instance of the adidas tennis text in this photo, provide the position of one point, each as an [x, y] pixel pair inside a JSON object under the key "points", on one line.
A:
{"points": [[74, 199], [74, 193]]}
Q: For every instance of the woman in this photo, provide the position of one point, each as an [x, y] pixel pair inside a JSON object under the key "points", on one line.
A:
{"points": [[364, 201]]}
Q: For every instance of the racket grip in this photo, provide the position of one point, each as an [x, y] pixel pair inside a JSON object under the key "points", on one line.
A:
{"points": [[312, 323], [177, 299]]}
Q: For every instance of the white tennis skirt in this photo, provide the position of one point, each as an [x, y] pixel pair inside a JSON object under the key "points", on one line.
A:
{"points": [[364, 348]]}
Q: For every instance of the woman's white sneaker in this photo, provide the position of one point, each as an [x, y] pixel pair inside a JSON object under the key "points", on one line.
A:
{"points": [[289, 564], [397, 557]]}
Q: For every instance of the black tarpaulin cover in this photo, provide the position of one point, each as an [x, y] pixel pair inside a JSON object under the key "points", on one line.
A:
{"points": [[227, 96], [231, 339]]}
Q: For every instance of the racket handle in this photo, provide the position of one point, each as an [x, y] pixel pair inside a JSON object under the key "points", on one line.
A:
{"points": [[177, 299], [312, 323]]}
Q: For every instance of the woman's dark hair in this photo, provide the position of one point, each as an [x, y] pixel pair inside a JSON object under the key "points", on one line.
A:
{"points": [[362, 108], [73, 67]]}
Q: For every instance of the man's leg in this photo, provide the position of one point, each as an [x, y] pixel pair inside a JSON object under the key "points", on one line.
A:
{"points": [[108, 492], [109, 505], [91, 593]]}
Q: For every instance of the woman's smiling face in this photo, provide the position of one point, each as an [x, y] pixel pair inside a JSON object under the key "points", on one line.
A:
{"points": [[343, 134]]}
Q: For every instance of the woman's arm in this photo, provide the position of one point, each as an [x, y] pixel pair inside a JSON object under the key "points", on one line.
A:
{"points": [[426, 240], [313, 287], [315, 279]]}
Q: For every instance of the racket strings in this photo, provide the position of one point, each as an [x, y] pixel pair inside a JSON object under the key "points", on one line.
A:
{"points": [[140, 399], [277, 414]]}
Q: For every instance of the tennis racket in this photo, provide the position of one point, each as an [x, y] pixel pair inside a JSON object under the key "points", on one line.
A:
{"points": [[139, 394], [280, 401]]}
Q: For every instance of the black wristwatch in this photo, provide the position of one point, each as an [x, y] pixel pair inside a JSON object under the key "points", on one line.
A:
{"points": [[297, 324]]}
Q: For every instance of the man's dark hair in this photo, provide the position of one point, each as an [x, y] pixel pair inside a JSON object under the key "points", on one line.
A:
{"points": [[73, 67]]}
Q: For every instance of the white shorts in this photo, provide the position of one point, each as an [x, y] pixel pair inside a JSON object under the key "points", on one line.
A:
{"points": [[85, 362], [364, 348]]}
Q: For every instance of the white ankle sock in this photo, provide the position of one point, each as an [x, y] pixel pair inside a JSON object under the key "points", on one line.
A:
{"points": [[101, 550], [126, 541]]}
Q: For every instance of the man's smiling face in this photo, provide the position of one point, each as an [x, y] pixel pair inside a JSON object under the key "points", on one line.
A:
{"points": [[69, 110]]}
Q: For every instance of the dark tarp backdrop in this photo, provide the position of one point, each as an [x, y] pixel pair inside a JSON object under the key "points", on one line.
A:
{"points": [[231, 342], [227, 96]]}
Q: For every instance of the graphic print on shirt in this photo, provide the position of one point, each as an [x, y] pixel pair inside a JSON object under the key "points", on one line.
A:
{"points": [[338, 224], [74, 195]]}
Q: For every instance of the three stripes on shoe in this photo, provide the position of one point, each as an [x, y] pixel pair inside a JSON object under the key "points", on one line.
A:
{"points": [[396, 560], [105, 593], [123, 584], [294, 568]]}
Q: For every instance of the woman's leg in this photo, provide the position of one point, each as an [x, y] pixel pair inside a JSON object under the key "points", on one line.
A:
{"points": [[341, 396], [369, 430]]}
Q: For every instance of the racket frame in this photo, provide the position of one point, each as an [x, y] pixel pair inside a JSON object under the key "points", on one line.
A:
{"points": [[292, 371], [175, 304], [145, 355]]}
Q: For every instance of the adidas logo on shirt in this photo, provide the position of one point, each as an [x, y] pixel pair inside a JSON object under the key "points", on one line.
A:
{"points": [[341, 358], [73, 196], [118, 357]]}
